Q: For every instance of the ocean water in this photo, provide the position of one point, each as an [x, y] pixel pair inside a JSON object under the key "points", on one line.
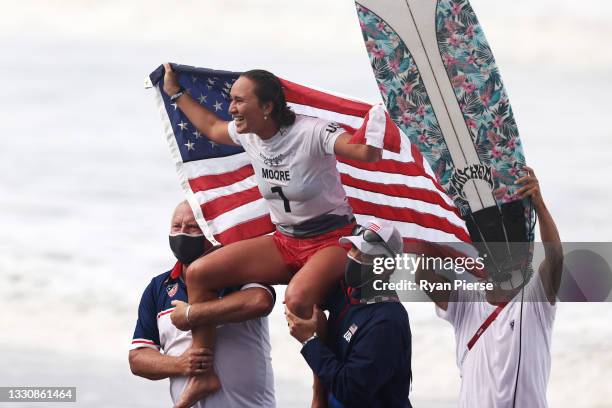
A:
{"points": [[87, 186]]}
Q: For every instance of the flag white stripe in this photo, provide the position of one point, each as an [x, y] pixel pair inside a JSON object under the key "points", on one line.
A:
{"points": [[404, 156]]}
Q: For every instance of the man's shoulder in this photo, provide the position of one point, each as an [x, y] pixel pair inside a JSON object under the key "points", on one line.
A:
{"points": [[390, 317], [387, 308], [155, 287], [383, 323], [385, 314], [393, 312], [159, 280]]}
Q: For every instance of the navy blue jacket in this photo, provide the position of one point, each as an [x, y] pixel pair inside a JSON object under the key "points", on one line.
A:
{"points": [[367, 359]]}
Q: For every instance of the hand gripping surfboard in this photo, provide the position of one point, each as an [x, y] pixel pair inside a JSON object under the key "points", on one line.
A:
{"points": [[441, 86]]}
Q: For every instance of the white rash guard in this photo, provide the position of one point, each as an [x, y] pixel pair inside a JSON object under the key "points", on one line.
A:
{"points": [[488, 373], [296, 173]]}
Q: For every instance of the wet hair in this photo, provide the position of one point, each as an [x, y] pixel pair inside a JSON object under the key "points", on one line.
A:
{"points": [[268, 88]]}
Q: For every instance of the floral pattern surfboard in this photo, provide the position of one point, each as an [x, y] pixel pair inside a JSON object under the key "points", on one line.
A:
{"points": [[477, 85]]}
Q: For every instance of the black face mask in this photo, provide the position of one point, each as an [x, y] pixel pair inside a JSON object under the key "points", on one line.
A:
{"points": [[356, 274], [187, 248]]}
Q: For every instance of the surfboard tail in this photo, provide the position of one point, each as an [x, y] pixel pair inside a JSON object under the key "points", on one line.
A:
{"points": [[502, 237]]}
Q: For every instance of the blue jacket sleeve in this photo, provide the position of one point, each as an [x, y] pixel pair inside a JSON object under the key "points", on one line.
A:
{"points": [[146, 333], [369, 365]]}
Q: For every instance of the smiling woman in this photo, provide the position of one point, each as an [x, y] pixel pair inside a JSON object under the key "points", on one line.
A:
{"points": [[295, 168], [268, 90]]}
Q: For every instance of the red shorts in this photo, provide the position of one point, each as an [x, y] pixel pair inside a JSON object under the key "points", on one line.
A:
{"points": [[297, 251]]}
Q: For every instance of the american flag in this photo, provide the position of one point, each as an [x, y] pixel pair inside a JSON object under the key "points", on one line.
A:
{"points": [[220, 184]]}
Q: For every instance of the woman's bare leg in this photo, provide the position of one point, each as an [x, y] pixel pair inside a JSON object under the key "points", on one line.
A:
{"points": [[253, 260], [310, 286], [314, 281]]}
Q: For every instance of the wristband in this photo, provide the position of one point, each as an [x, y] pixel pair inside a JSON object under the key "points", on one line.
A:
{"points": [[177, 95], [187, 315], [314, 336]]}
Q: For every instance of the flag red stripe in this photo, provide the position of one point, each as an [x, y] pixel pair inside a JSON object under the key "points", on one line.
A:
{"points": [[407, 215], [218, 206], [359, 134], [348, 129], [416, 155], [249, 229], [391, 142], [392, 135], [398, 190], [211, 181], [306, 96]]}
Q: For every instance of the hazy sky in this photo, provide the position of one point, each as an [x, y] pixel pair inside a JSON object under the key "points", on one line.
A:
{"points": [[302, 39]]}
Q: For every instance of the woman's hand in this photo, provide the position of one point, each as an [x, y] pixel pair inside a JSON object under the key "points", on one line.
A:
{"points": [[171, 84]]}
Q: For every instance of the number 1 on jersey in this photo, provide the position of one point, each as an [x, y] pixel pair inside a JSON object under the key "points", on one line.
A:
{"points": [[279, 191]]}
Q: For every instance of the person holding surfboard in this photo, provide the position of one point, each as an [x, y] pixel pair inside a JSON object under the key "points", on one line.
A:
{"points": [[295, 167], [503, 336]]}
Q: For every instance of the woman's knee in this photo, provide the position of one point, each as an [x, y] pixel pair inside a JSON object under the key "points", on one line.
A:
{"points": [[197, 272], [298, 302]]}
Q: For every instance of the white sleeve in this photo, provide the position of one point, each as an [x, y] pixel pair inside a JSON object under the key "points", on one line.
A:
{"points": [[326, 133], [535, 293], [233, 134], [267, 288], [449, 313], [455, 308]]}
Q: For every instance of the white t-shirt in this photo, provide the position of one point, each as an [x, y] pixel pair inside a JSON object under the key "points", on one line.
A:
{"points": [[296, 170], [489, 370], [242, 360]]}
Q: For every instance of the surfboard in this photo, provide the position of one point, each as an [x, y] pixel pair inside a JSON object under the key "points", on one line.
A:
{"points": [[441, 86]]}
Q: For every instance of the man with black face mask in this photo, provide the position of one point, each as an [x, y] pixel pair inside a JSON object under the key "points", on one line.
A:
{"points": [[242, 354], [361, 355]]}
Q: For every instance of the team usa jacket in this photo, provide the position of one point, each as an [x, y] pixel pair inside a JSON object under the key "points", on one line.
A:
{"points": [[366, 360]]}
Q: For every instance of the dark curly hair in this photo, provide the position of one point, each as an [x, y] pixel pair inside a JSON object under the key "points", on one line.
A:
{"points": [[268, 88]]}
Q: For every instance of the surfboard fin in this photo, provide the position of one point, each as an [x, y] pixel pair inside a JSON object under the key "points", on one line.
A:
{"points": [[501, 237]]}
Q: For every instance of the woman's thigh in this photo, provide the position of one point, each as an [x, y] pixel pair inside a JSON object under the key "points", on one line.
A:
{"points": [[252, 260], [315, 280]]}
